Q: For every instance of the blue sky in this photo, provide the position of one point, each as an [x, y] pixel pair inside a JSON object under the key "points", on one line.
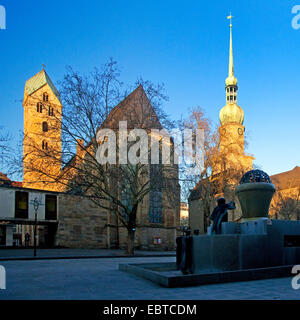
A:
{"points": [[181, 43]]}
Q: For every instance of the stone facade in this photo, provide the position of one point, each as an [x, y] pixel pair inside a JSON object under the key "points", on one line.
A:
{"points": [[81, 224]]}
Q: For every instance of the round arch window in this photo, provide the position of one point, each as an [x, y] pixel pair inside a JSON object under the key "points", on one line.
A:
{"points": [[45, 126]]}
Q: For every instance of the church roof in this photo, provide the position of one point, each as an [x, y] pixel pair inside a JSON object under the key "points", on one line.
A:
{"points": [[288, 179], [38, 81], [132, 109], [136, 109]]}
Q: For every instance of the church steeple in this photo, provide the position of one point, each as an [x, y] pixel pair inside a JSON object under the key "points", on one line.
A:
{"points": [[231, 130], [231, 81], [231, 113]]}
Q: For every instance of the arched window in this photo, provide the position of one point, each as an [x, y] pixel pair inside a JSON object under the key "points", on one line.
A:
{"points": [[155, 195], [50, 112], [45, 145], [126, 200], [45, 126], [45, 97], [39, 107]]}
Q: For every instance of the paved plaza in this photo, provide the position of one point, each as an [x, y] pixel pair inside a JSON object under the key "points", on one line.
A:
{"points": [[100, 279], [10, 254]]}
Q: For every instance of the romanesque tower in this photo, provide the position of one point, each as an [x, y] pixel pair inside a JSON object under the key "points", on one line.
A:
{"points": [[231, 130], [42, 133]]}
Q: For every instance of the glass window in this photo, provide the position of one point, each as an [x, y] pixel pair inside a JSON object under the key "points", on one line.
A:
{"points": [[126, 201], [45, 97], [155, 195], [2, 235], [21, 205], [51, 207]]}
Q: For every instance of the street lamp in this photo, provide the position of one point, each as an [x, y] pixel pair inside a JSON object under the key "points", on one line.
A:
{"points": [[36, 205]]}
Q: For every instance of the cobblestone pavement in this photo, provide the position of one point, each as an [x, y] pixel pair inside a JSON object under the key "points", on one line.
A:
{"points": [[64, 252], [101, 279]]}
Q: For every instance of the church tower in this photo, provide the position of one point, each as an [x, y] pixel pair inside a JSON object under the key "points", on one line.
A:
{"points": [[42, 133], [231, 130]]}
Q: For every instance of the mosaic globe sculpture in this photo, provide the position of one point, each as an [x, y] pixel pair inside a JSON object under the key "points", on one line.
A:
{"points": [[255, 193]]}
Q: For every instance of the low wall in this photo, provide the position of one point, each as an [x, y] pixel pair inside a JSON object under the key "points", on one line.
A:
{"points": [[261, 244]]}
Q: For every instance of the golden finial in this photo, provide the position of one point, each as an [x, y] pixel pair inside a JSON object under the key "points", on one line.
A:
{"points": [[44, 66], [230, 18], [231, 79]]}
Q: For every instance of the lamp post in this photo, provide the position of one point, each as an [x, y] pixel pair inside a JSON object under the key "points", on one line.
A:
{"points": [[36, 204]]}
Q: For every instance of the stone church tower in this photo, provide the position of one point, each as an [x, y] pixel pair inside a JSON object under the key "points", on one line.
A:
{"points": [[229, 162], [231, 130], [42, 133]]}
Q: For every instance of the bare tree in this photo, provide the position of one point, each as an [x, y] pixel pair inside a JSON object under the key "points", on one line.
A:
{"points": [[5, 149], [89, 107], [220, 171]]}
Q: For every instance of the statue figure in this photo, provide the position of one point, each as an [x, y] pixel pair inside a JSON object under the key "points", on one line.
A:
{"points": [[220, 214]]}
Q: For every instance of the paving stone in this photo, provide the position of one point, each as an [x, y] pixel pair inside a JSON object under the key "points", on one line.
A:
{"points": [[100, 279]]}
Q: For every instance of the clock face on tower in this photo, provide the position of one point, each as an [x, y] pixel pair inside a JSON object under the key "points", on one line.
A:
{"points": [[240, 131]]}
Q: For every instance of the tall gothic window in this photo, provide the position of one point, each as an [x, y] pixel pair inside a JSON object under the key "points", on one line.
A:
{"points": [[126, 201], [50, 112], [155, 194]]}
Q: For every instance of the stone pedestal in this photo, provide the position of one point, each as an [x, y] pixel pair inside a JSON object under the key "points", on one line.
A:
{"points": [[248, 245]]}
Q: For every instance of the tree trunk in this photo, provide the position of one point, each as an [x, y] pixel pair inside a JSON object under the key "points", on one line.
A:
{"points": [[131, 229], [130, 242]]}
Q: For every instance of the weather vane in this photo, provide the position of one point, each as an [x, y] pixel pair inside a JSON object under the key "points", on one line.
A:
{"points": [[230, 18], [44, 66]]}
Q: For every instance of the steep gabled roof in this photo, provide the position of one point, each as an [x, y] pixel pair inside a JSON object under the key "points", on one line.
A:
{"points": [[136, 109], [38, 81], [135, 103]]}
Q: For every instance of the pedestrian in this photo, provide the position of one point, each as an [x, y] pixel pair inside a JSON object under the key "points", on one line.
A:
{"points": [[27, 239]]}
